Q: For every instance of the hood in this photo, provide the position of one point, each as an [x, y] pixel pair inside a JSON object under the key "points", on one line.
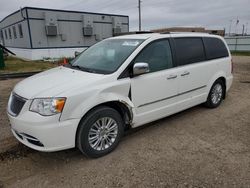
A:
{"points": [[54, 82]]}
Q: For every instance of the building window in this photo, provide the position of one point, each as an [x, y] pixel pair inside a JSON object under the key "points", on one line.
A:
{"points": [[14, 32], [10, 37], [2, 34], [20, 29], [5, 32]]}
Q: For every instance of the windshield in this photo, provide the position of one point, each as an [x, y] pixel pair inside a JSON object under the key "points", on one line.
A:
{"points": [[106, 56]]}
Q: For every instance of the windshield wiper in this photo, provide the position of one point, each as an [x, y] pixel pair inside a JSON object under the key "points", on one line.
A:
{"points": [[88, 70], [83, 68], [76, 67]]}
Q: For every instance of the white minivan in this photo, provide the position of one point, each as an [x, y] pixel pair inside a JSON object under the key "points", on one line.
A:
{"points": [[120, 82]]}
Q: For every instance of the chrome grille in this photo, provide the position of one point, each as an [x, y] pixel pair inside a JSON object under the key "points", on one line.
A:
{"points": [[16, 104]]}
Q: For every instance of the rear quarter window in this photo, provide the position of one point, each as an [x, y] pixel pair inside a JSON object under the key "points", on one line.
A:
{"points": [[215, 48], [189, 50]]}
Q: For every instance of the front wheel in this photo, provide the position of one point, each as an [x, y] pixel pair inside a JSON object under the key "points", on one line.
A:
{"points": [[100, 132], [216, 94]]}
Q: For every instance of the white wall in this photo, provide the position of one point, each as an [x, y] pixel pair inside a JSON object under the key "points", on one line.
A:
{"points": [[37, 54], [238, 43]]}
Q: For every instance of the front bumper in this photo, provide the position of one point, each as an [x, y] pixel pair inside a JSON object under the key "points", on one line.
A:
{"points": [[44, 133]]}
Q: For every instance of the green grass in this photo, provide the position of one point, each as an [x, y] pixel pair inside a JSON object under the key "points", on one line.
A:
{"points": [[16, 65], [240, 53]]}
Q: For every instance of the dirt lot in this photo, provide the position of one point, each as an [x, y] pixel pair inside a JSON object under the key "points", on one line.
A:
{"points": [[196, 148]]}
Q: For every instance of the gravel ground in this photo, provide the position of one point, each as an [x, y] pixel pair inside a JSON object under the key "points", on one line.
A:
{"points": [[199, 147]]}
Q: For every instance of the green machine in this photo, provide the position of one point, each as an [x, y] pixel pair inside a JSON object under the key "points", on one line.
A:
{"points": [[2, 51]]}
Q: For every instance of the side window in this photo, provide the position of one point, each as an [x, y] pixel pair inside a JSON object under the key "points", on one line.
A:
{"points": [[10, 37], [215, 48], [189, 50], [158, 56], [20, 29]]}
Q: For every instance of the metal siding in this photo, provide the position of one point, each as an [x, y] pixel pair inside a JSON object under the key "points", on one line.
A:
{"points": [[16, 17], [19, 42], [70, 25], [14, 20]]}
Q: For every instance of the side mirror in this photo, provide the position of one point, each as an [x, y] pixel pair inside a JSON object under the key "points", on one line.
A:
{"points": [[140, 68]]}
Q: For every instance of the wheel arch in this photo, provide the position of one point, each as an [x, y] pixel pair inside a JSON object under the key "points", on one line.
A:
{"points": [[124, 109], [223, 79], [219, 76], [81, 130]]}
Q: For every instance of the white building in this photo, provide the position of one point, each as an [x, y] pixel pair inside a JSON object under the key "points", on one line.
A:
{"points": [[37, 33]]}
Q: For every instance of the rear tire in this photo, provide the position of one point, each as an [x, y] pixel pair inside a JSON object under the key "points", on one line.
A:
{"points": [[216, 94], [99, 132]]}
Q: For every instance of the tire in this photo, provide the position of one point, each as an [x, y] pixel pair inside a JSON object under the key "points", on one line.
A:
{"points": [[99, 132], [216, 94]]}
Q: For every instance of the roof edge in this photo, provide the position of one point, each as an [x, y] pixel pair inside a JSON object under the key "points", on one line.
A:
{"points": [[61, 10], [12, 14]]}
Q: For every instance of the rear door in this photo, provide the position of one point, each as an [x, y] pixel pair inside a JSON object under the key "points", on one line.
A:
{"points": [[195, 70]]}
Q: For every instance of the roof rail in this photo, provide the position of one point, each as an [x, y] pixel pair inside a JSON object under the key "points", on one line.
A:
{"points": [[134, 32], [166, 32], [143, 32], [187, 32]]}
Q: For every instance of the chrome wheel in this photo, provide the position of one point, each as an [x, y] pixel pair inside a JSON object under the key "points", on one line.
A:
{"points": [[216, 94], [103, 133]]}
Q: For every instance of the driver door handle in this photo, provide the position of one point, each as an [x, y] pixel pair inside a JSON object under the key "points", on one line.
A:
{"points": [[171, 77], [185, 73]]}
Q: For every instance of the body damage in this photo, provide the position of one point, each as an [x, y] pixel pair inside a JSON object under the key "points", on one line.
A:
{"points": [[86, 99]]}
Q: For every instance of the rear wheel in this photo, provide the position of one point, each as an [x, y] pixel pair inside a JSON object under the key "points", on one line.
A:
{"points": [[100, 132], [216, 94]]}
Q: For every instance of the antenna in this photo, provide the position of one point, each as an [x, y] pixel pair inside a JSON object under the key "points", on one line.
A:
{"points": [[139, 7]]}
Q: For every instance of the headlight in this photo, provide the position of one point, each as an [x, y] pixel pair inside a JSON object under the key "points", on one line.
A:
{"points": [[47, 106]]}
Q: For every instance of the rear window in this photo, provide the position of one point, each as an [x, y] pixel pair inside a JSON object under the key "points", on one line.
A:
{"points": [[215, 48], [189, 50]]}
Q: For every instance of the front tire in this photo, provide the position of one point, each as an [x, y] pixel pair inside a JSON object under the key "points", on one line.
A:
{"points": [[216, 94], [100, 132]]}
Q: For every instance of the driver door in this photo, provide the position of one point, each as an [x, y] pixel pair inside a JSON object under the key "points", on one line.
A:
{"points": [[153, 92]]}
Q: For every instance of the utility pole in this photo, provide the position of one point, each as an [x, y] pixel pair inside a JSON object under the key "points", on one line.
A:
{"points": [[139, 7], [236, 25], [246, 27], [243, 29], [230, 26]]}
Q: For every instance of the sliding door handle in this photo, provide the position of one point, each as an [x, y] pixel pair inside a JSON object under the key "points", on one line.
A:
{"points": [[185, 73], [171, 77]]}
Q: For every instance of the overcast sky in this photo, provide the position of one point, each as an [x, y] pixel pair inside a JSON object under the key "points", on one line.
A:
{"points": [[213, 14]]}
